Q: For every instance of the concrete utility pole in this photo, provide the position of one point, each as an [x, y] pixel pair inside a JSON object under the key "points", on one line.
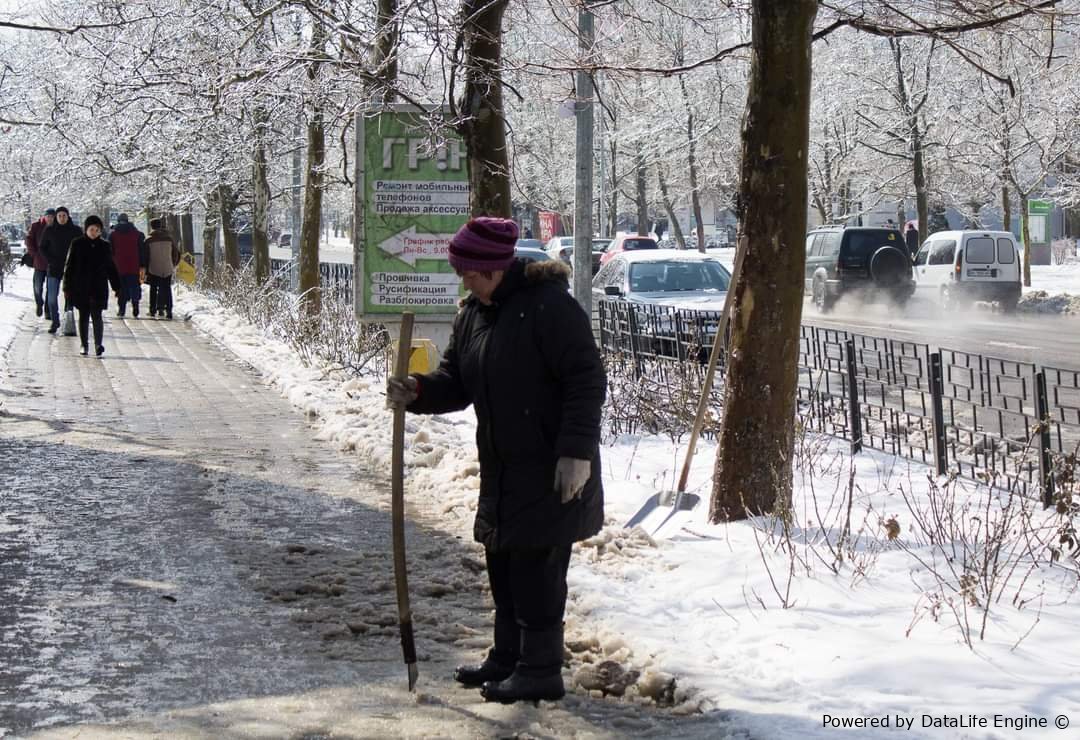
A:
{"points": [[583, 209]]}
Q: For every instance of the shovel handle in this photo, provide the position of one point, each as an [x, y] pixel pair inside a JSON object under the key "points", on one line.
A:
{"points": [[397, 503]]}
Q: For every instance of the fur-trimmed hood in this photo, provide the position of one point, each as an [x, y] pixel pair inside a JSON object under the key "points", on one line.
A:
{"points": [[547, 271], [523, 274]]}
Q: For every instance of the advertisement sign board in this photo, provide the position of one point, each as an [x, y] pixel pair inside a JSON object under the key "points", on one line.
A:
{"points": [[415, 194]]}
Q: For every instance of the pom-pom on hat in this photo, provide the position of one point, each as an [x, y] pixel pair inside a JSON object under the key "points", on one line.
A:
{"points": [[484, 244]]}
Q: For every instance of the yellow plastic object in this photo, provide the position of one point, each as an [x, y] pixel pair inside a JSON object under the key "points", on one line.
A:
{"points": [[186, 269], [424, 357]]}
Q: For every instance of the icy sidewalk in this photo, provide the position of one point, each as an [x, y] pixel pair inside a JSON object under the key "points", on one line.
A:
{"points": [[770, 630], [179, 556]]}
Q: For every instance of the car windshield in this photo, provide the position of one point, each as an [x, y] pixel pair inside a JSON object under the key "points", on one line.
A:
{"points": [[646, 243], [678, 276], [865, 242], [600, 245]]}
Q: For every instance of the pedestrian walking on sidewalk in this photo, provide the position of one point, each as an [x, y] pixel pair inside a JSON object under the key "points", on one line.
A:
{"points": [[54, 244], [130, 255], [41, 263], [522, 353], [164, 256], [89, 272]]}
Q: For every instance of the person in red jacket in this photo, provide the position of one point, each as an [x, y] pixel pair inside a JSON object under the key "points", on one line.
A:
{"points": [[41, 263], [130, 256]]}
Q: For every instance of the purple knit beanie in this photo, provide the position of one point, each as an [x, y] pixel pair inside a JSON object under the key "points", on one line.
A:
{"points": [[484, 244]]}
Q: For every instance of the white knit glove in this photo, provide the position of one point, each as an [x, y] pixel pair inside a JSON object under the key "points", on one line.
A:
{"points": [[571, 475], [401, 391]]}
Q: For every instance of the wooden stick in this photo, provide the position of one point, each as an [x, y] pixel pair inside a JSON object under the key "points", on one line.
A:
{"points": [[397, 505], [719, 343]]}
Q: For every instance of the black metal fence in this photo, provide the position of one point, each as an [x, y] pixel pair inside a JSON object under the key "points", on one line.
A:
{"points": [[1000, 421], [335, 277]]}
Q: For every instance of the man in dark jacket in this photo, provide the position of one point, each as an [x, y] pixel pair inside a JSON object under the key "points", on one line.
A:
{"points": [[911, 238], [41, 264], [54, 244], [522, 353], [130, 256]]}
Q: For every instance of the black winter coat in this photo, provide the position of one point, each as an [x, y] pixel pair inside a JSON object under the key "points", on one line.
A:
{"points": [[90, 269], [54, 244], [530, 366]]}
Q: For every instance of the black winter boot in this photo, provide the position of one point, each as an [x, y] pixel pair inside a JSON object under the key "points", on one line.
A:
{"points": [[500, 660], [538, 673]]}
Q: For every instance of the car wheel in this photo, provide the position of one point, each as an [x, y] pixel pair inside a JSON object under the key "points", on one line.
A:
{"points": [[1009, 303], [951, 298]]}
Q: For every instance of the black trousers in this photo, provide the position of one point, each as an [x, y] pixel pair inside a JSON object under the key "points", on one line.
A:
{"points": [[529, 586], [84, 326], [160, 294]]}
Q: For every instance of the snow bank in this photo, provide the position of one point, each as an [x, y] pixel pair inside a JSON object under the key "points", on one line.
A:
{"points": [[16, 300], [1055, 289], [853, 606]]}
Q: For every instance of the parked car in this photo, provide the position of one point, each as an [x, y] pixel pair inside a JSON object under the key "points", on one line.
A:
{"points": [[870, 263], [671, 277], [677, 280], [562, 248], [556, 243], [627, 243], [956, 267], [529, 244], [530, 254]]}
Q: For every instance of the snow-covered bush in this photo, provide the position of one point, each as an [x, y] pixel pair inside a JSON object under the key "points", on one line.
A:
{"points": [[334, 337]]}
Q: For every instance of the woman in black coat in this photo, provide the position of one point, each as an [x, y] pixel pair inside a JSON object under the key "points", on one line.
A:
{"points": [[89, 272], [522, 353]]}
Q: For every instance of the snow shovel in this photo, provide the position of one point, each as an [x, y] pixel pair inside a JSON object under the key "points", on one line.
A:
{"points": [[397, 504], [680, 500]]}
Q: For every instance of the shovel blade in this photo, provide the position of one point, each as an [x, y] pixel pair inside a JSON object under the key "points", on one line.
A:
{"points": [[677, 501], [647, 508], [683, 502]]}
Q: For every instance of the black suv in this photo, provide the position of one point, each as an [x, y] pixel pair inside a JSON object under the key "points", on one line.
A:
{"points": [[872, 263]]}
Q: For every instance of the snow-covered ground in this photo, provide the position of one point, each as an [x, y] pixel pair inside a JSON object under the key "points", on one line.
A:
{"points": [[1054, 289], [17, 298], [853, 612]]}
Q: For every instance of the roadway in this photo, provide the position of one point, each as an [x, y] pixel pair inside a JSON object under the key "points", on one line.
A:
{"points": [[1044, 340]]}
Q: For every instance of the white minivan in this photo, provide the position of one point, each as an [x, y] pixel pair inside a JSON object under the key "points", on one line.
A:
{"points": [[957, 267]]}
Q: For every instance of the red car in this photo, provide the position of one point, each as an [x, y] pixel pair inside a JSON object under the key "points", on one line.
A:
{"points": [[628, 243]]}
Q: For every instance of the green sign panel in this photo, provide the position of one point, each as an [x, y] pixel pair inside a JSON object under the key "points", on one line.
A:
{"points": [[1038, 207], [415, 196]]}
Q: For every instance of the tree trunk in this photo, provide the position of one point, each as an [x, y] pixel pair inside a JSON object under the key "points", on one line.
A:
{"points": [[691, 159], [210, 232], [226, 207], [483, 127], [187, 234], [1006, 209], [310, 298], [642, 200], [753, 463], [1025, 237], [676, 229], [172, 223], [260, 209], [918, 154], [613, 206]]}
